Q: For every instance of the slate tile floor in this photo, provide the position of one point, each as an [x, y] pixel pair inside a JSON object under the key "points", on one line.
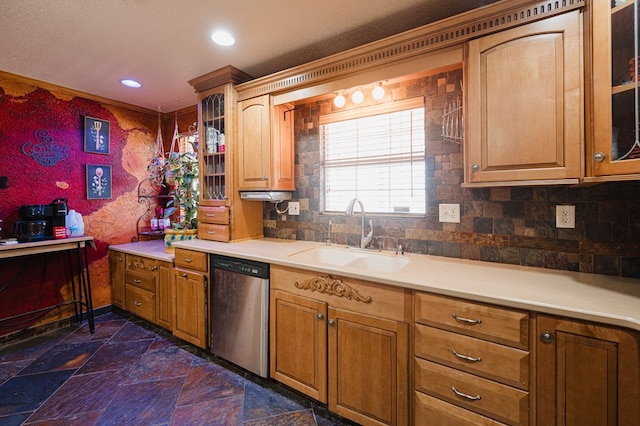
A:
{"points": [[132, 373]]}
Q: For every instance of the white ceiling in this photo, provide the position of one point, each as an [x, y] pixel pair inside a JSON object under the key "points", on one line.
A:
{"points": [[90, 45]]}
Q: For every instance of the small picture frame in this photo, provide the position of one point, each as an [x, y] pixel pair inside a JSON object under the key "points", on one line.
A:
{"points": [[98, 182], [96, 135]]}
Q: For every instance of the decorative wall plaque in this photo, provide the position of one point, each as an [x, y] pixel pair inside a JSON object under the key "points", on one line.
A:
{"points": [[45, 151], [333, 287]]}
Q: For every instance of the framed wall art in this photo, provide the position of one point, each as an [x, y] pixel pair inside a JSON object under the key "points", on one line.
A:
{"points": [[96, 135], [98, 182]]}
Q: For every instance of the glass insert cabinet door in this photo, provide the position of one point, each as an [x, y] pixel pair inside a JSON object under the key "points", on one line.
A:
{"points": [[213, 149], [616, 106]]}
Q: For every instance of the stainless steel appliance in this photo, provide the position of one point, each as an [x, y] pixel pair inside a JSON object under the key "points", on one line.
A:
{"points": [[239, 314], [38, 222]]}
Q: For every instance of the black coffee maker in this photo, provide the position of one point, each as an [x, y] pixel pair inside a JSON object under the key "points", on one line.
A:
{"points": [[37, 222]]}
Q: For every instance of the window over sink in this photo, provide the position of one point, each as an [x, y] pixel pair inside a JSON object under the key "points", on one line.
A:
{"points": [[375, 153]]}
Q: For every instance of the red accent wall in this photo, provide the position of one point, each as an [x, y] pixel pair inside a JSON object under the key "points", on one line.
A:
{"points": [[30, 283]]}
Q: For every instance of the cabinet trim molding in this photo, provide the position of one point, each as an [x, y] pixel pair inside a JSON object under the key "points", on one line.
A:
{"points": [[408, 45], [333, 287]]}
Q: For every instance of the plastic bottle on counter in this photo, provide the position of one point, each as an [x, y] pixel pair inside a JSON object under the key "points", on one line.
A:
{"points": [[74, 222]]}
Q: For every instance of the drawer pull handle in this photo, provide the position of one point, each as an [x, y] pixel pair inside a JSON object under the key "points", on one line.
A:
{"points": [[210, 215], [466, 357], [464, 395], [137, 303], [211, 232], [466, 320], [137, 281], [188, 259], [184, 275]]}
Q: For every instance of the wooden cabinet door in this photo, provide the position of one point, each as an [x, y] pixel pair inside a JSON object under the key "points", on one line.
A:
{"points": [[164, 301], [299, 343], [587, 374], [190, 304], [368, 368], [524, 103], [283, 156], [254, 150], [116, 277]]}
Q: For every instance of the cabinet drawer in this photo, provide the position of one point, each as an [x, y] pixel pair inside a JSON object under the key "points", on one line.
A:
{"points": [[490, 360], [141, 302], [431, 411], [483, 396], [213, 232], [500, 325], [213, 214], [140, 264], [194, 260], [140, 280]]}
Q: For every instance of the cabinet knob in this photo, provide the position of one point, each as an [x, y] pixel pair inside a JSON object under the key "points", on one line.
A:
{"points": [[546, 337], [188, 259], [320, 316], [475, 167], [184, 275], [264, 178], [137, 303], [332, 322], [599, 157]]}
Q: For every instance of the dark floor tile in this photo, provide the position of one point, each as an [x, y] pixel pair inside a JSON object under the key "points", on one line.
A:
{"points": [[63, 357], [81, 419], [298, 418], [207, 382], [148, 403], [104, 330], [27, 393], [116, 356], [34, 347], [81, 394], [10, 369], [217, 412], [326, 418], [14, 419], [161, 364], [262, 402], [131, 331]]}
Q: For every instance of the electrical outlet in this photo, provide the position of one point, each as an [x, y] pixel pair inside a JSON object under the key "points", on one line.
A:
{"points": [[449, 213], [565, 216], [294, 208]]}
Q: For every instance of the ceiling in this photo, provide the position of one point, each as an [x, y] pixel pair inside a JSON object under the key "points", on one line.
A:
{"points": [[90, 45]]}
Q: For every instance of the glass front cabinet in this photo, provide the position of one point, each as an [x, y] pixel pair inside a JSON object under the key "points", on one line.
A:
{"points": [[615, 148]]}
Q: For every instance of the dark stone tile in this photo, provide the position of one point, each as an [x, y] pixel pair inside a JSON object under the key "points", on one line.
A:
{"points": [[104, 330], [14, 419], [217, 412], [631, 267], [326, 418], [63, 357], [81, 419], [607, 265], [262, 402], [116, 356], [503, 226], [510, 255], [164, 363], [554, 260], [489, 254], [598, 231], [483, 225], [149, 403], [81, 394], [32, 348], [207, 382], [298, 418], [131, 331], [530, 257], [26, 393], [10, 369]]}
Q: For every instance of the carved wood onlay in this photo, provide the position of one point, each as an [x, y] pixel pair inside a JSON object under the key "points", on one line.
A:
{"points": [[429, 38], [333, 287]]}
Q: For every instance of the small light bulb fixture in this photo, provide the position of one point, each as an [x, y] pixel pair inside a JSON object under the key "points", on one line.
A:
{"points": [[223, 38], [378, 92], [130, 83], [339, 100], [357, 96]]}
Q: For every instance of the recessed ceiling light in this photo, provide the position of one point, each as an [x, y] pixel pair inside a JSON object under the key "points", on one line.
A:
{"points": [[130, 83], [223, 38]]}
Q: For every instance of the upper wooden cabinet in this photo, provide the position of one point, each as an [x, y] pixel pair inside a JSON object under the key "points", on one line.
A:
{"points": [[265, 155], [223, 215], [614, 149], [524, 97]]}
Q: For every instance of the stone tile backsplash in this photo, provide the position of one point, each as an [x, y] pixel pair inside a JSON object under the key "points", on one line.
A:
{"points": [[513, 225]]}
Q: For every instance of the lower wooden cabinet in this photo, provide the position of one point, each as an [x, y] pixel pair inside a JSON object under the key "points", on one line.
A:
{"points": [[164, 301], [190, 297], [588, 374], [327, 343], [116, 278]]}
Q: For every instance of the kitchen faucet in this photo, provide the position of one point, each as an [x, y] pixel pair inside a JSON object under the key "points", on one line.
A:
{"points": [[364, 241]]}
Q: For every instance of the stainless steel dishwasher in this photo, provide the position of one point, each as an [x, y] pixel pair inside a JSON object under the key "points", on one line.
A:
{"points": [[240, 312]]}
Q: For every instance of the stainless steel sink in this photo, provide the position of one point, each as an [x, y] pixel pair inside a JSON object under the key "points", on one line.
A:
{"points": [[352, 258]]}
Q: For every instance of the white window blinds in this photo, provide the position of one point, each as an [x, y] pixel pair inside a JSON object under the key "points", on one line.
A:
{"points": [[376, 154]]}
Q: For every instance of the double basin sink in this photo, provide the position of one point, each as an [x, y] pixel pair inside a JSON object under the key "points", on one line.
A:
{"points": [[352, 258]]}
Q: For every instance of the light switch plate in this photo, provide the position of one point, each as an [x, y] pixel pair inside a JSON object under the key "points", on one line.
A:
{"points": [[294, 208], [449, 213], [565, 216]]}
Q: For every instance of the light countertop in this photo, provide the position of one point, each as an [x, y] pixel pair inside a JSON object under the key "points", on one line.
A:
{"points": [[593, 297]]}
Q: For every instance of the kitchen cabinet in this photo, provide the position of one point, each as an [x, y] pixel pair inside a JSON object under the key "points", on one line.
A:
{"points": [[524, 105], [218, 153], [614, 148], [588, 374], [190, 297], [472, 362], [266, 154], [116, 278], [343, 342], [164, 311]]}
